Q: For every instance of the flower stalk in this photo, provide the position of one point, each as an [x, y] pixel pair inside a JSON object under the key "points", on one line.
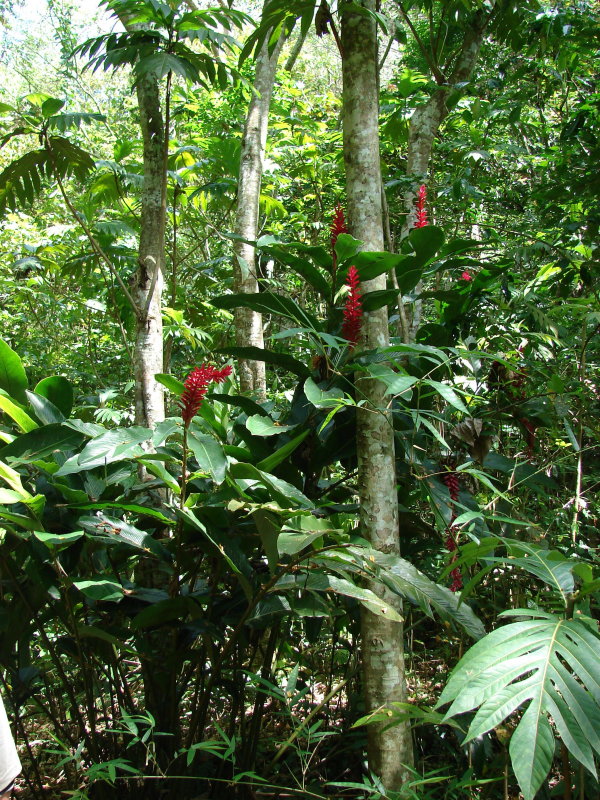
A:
{"points": [[353, 309], [421, 210]]}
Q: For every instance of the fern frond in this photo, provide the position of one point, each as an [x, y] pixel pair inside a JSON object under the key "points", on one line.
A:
{"points": [[22, 180]]}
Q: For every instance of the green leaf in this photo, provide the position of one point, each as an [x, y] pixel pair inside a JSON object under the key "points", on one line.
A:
{"points": [[17, 414], [13, 378], [397, 383], [100, 589], [370, 264], [51, 106], [66, 122], [549, 663], [248, 406], [116, 531], [269, 357], [171, 383], [264, 426], [46, 412], [425, 242], [268, 303], [115, 445], [58, 541], [299, 532], [322, 398], [371, 301], [405, 579], [42, 442], [346, 247], [269, 463], [209, 454], [160, 471], [304, 268], [247, 475], [59, 391], [449, 395]]}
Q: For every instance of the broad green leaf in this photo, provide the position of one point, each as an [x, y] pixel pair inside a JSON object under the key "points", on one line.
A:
{"points": [[209, 454], [59, 391], [346, 247], [100, 589], [397, 383], [545, 661], [449, 395], [160, 471], [301, 531], [168, 610], [23, 420], [45, 411], [268, 303], [51, 106], [322, 398], [247, 475], [371, 301], [264, 426], [12, 478], [247, 405], [269, 357], [93, 632], [116, 531], [425, 242], [115, 445], [269, 463], [405, 579], [58, 541], [550, 566], [12, 373], [227, 548], [304, 268], [171, 383]]}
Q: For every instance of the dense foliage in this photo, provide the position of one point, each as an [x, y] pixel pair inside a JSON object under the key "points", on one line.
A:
{"points": [[180, 605]]}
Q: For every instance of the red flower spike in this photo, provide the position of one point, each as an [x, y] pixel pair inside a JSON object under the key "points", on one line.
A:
{"points": [[457, 581], [196, 385], [452, 481], [421, 217], [353, 309], [466, 277], [337, 226]]}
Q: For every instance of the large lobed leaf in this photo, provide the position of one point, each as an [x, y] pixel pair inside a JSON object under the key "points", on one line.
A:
{"points": [[552, 665]]}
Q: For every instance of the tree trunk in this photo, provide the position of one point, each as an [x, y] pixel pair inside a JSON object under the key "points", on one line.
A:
{"points": [[149, 279], [248, 323], [383, 657], [425, 124]]}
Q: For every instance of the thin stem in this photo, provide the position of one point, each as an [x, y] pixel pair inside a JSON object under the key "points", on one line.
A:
{"points": [[91, 238]]}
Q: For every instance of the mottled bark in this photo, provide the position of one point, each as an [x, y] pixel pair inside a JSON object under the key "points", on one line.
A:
{"points": [[248, 323], [148, 281], [390, 752]]}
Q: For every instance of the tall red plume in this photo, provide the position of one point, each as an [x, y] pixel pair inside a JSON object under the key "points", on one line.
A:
{"points": [[421, 218], [353, 309], [196, 385]]}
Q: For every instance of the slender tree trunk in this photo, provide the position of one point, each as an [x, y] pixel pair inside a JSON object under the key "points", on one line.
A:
{"points": [[425, 124], [248, 323], [389, 751], [148, 281]]}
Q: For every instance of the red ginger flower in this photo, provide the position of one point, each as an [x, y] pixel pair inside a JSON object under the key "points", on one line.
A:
{"points": [[353, 309], [457, 581], [421, 218], [196, 386], [337, 226], [466, 276]]}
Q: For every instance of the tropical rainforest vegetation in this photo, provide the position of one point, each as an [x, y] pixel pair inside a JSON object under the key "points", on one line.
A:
{"points": [[299, 394]]}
